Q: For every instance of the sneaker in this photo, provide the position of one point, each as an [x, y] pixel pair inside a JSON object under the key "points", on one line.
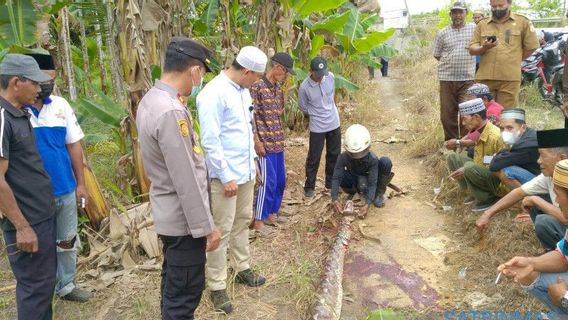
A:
{"points": [[309, 193], [468, 200], [78, 295], [250, 278], [480, 207], [221, 301]]}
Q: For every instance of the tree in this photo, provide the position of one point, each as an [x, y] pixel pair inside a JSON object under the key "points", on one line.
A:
{"points": [[546, 8]]}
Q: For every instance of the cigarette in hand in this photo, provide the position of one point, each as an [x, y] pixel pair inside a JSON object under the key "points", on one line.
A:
{"points": [[498, 277], [83, 203]]}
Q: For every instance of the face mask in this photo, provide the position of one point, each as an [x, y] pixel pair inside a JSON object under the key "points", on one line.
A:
{"points": [[510, 137], [46, 90], [195, 89], [499, 13]]}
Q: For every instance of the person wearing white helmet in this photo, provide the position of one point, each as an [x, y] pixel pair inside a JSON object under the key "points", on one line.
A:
{"points": [[359, 170]]}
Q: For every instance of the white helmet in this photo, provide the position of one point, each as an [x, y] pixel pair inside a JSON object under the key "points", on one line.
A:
{"points": [[357, 141]]}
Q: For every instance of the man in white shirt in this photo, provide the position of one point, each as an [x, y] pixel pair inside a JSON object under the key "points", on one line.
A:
{"points": [[550, 224]]}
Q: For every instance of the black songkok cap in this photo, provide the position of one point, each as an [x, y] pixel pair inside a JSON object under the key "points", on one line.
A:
{"points": [[552, 138]]}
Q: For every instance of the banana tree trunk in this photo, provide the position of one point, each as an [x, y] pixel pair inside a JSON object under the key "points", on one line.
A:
{"points": [[101, 57], [66, 46], [113, 52], [87, 69], [265, 27], [133, 57]]}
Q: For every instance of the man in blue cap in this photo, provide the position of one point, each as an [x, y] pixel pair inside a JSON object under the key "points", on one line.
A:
{"points": [[26, 195], [316, 99]]}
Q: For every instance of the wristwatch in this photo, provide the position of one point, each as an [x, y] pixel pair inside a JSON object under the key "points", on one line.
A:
{"points": [[564, 301]]}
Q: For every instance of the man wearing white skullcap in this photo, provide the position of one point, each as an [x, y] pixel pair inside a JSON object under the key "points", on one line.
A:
{"points": [[225, 117], [473, 174]]}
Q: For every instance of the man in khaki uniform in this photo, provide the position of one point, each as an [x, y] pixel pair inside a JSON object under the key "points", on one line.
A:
{"points": [[175, 165], [503, 41]]}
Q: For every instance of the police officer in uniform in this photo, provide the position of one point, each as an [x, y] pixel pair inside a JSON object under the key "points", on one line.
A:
{"points": [[175, 165], [503, 41]]}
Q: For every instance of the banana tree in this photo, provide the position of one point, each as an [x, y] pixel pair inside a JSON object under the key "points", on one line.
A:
{"points": [[133, 57], [20, 25]]}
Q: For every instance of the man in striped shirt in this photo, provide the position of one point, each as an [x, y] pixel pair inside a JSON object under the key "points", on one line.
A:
{"points": [[456, 68]]}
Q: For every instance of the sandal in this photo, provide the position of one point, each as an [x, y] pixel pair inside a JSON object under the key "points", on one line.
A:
{"points": [[265, 232]]}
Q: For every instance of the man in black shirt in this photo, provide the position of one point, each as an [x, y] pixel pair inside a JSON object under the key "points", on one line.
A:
{"points": [[359, 170], [26, 196]]}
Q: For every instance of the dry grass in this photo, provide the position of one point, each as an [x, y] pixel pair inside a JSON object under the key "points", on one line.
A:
{"points": [[481, 254]]}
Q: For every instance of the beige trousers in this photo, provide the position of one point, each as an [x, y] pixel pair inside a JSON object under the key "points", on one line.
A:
{"points": [[232, 217]]}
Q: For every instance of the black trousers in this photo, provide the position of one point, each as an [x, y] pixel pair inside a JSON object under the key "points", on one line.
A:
{"points": [[34, 272], [332, 140], [183, 276]]}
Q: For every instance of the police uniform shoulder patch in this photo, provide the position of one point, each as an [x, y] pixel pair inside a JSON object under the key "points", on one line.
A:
{"points": [[183, 127]]}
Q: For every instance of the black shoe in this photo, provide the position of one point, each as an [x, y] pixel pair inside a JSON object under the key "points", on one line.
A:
{"points": [[309, 193], [78, 295], [379, 201], [250, 278], [221, 301], [480, 207]]}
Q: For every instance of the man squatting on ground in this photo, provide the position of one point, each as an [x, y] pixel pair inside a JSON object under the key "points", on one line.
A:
{"points": [[472, 173], [175, 165], [359, 170], [537, 195], [546, 276]]}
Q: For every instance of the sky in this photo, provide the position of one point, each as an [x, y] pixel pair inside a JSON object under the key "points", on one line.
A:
{"points": [[419, 6]]}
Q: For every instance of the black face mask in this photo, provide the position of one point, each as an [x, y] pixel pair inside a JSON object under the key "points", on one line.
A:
{"points": [[46, 90], [499, 13]]}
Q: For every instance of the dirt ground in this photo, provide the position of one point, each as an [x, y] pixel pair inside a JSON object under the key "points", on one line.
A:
{"points": [[406, 270]]}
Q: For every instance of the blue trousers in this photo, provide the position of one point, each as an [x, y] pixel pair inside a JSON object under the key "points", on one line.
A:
{"points": [[269, 195], [517, 173], [539, 289], [67, 242], [34, 272]]}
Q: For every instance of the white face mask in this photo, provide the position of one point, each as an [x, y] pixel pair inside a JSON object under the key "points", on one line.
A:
{"points": [[510, 137]]}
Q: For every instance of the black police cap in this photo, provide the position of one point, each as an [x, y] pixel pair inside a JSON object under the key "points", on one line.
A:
{"points": [[192, 49]]}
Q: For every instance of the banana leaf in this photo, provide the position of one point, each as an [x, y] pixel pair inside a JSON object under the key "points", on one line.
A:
{"points": [[304, 8], [317, 42], [334, 23], [343, 83], [367, 43], [18, 20]]}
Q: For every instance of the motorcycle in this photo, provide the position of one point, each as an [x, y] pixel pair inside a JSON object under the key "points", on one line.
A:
{"points": [[546, 66]]}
